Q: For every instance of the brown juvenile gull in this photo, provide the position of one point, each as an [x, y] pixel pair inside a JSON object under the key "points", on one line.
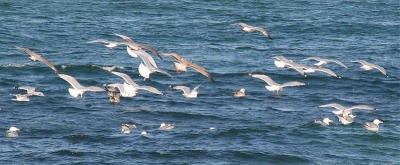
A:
{"points": [[126, 128], [323, 61], [272, 85], [30, 91], [247, 28], [344, 114], [78, 89], [36, 57], [12, 132], [114, 97], [183, 64], [324, 122], [369, 66], [373, 126], [164, 126], [240, 93], [186, 90]]}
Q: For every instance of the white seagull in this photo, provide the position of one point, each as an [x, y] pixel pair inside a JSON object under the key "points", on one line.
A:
{"points": [[324, 122], [78, 89], [186, 90], [272, 85], [373, 126], [126, 128], [12, 132], [36, 57], [323, 61], [30, 91], [247, 28], [130, 88], [369, 66], [309, 69], [164, 126], [282, 62]]}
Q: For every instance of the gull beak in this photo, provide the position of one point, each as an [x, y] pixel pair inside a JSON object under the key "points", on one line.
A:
{"points": [[331, 121], [381, 122], [18, 129]]}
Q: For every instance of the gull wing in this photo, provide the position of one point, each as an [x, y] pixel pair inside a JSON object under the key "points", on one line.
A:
{"points": [[129, 40], [27, 88], [312, 58], [293, 83], [185, 89], [71, 80], [94, 89], [337, 62], [174, 55], [126, 77], [125, 38], [334, 105], [146, 58], [196, 88], [381, 69], [102, 41], [162, 71], [365, 107], [241, 24], [202, 70], [151, 89], [38, 57], [267, 79], [263, 31], [326, 70]]}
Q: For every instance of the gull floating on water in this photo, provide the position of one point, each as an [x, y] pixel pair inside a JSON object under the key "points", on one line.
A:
{"points": [[324, 122], [30, 91], [186, 90], [373, 126], [240, 93], [323, 61], [12, 132], [130, 88], [164, 126], [126, 128], [247, 28], [21, 97], [36, 57], [78, 89], [272, 85], [369, 66], [183, 64], [144, 133], [114, 97], [344, 114]]}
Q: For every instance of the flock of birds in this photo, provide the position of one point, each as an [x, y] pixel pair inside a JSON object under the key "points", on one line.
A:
{"points": [[148, 66]]}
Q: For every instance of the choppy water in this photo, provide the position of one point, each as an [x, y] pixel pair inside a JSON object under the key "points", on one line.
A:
{"points": [[257, 129]]}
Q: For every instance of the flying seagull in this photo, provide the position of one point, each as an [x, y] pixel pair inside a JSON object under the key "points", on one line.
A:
{"points": [[369, 66], [78, 89], [20, 97], [36, 57], [272, 85], [183, 64], [136, 46], [132, 87], [345, 113], [30, 91], [282, 62], [247, 28], [323, 61], [186, 90], [309, 69]]}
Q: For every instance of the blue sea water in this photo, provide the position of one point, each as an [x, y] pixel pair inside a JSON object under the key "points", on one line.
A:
{"points": [[258, 129]]}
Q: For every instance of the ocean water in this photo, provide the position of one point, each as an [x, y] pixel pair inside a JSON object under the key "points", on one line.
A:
{"points": [[258, 129]]}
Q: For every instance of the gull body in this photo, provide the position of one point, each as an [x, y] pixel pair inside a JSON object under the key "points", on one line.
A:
{"points": [[183, 64], [272, 85], [131, 88], [164, 126], [323, 61], [186, 90], [30, 91], [324, 122], [368, 66], [240, 93], [373, 126], [282, 62], [125, 89], [12, 132], [247, 28], [126, 128], [78, 89], [36, 57], [21, 97]]}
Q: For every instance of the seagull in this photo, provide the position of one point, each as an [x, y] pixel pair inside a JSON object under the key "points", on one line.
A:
{"points": [[126, 128], [248, 28], [36, 57], [324, 122], [20, 97], [373, 126], [186, 90], [78, 89], [125, 89], [323, 61], [183, 64], [282, 62], [272, 85], [240, 93], [30, 91], [369, 66], [130, 88], [12, 132], [110, 44], [309, 69], [344, 114], [164, 126], [144, 133], [147, 68], [136, 46]]}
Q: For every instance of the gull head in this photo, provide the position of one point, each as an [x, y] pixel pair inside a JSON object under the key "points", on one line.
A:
{"points": [[377, 121], [327, 121], [14, 129], [242, 90]]}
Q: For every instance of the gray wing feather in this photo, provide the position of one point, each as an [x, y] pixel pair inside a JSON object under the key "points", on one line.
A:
{"points": [[267, 79]]}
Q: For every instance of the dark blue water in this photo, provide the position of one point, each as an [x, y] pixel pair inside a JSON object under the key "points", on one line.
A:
{"points": [[257, 129]]}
